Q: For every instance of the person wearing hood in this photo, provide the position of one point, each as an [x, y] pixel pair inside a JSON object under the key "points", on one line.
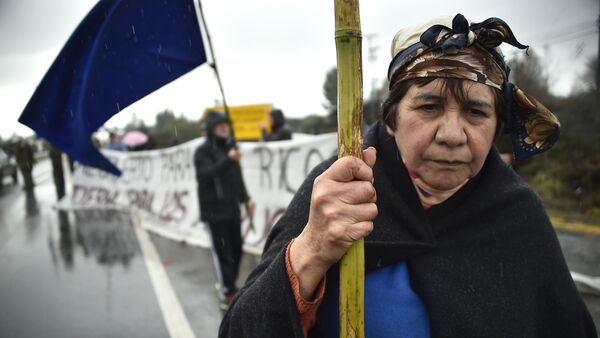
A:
{"points": [[221, 190], [279, 129], [456, 243]]}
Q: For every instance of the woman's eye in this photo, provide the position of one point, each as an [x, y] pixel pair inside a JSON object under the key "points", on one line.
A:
{"points": [[429, 107], [477, 112]]}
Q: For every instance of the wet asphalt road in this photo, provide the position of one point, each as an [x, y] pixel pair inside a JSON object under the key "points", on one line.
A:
{"points": [[82, 274]]}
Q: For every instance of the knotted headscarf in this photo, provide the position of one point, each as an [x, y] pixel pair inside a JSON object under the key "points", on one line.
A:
{"points": [[463, 50]]}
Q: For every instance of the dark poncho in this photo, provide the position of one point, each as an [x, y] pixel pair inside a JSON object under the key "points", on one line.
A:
{"points": [[486, 262]]}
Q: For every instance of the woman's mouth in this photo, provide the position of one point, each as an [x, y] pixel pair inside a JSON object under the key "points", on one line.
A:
{"points": [[447, 163]]}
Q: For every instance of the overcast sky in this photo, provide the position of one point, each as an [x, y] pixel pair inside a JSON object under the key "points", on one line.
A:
{"points": [[273, 51]]}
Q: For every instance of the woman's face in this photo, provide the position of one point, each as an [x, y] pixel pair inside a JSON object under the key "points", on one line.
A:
{"points": [[443, 141]]}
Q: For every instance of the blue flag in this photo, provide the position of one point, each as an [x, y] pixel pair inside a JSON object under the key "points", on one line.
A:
{"points": [[122, 51]]}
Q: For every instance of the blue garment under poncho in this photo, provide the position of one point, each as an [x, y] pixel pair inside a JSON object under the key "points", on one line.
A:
{"points": [[392, 309]]}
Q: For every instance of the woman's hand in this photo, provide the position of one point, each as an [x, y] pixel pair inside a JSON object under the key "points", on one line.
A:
{"points": [[342, 210]]}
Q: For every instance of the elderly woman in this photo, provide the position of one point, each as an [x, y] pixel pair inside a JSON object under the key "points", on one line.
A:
{"points": [[456, 244]]}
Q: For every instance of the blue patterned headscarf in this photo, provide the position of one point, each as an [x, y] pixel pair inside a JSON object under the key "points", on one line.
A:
{"points": [[470, 51]]}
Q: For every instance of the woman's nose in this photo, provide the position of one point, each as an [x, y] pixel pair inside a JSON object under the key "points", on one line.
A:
{"points": [[451, 131]]}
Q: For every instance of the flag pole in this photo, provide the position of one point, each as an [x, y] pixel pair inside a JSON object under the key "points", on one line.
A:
{"points": [[213, 65], [350, 116], [226, 108]]}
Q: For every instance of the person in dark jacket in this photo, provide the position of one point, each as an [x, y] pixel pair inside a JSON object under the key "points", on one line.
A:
{"points": [[221, 190], [57, 170], [25, 160], [279, 129], [456, 243]]}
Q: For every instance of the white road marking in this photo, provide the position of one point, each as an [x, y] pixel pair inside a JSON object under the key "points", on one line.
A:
{"points": [[175, 319], [592, 283]]}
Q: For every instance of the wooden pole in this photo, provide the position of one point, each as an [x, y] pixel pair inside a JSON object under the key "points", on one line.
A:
{"points": [[350, 113]]}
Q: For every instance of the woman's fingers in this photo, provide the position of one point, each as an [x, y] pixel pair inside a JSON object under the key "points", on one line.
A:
{"points": [[369, 156], [355, 192], [360, 230], [342, 209], [348, 169], [344, 215]]}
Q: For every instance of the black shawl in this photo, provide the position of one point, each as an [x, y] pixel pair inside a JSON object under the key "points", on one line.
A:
{"points": [[486, 262]]}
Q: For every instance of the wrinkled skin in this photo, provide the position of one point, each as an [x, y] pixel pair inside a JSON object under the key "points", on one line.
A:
{"points": [[441, 140]]}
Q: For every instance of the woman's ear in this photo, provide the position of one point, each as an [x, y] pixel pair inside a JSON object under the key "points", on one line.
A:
{"points": [[389, 130]]}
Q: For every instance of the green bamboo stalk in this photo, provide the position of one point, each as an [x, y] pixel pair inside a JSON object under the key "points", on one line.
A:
{"points": [[350, 115]]}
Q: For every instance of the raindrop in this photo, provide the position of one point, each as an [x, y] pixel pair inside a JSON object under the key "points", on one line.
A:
{"points": [[133, 29], [71, 112], [190, 42], [175, 130], [159, 48], [118, 107], [142, 12], [105, 46]]}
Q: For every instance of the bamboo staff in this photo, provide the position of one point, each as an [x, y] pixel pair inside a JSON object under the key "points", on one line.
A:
{"points": [[350, 113]]}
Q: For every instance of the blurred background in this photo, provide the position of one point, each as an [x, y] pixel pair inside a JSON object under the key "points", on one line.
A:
{"points": [[284, 55]]}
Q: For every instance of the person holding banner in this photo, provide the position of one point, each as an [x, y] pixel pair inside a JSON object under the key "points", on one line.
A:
{"points": [[456, 244], [279, 129], [220, 192]]}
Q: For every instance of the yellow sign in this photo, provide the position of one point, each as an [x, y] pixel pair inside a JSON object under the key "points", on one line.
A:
{"points": [[246, 120]]}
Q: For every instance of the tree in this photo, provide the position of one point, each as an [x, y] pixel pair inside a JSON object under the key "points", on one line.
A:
{"points": [[590, 75], [135, 124], [170, 130], [568, 176], [165, 120], [528, 73], [330, 91], [371, 105]]}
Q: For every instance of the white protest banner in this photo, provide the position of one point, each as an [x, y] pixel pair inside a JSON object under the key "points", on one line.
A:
{"points": [[160, 185]]}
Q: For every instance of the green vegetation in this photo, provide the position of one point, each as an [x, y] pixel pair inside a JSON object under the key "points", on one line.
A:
{"points": [[568, 176], [168, 130]]}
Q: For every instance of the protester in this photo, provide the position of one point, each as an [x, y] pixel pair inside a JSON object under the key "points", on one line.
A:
{"points": [[456, 244], [25, 161], [57, 170], [279, 129], [220, 192], [115, 142]]}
